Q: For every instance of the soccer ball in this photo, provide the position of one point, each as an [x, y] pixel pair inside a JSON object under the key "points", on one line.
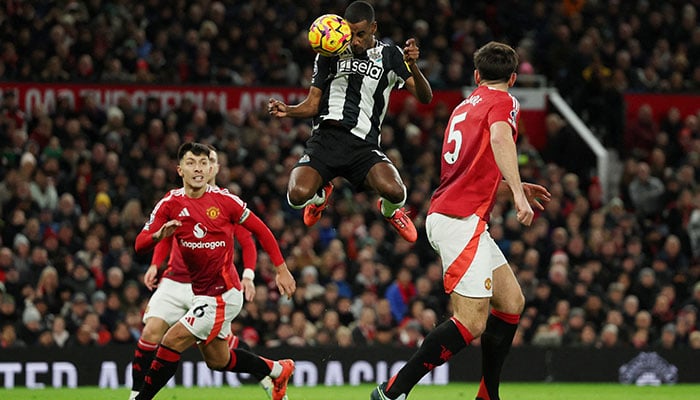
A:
{"points": [[329, 35]]}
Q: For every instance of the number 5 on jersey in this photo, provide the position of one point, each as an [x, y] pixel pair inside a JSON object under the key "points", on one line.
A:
{"points": [[454, 136]]}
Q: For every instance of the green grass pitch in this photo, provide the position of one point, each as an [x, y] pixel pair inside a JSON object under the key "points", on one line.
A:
{"points": [[455, 391]]}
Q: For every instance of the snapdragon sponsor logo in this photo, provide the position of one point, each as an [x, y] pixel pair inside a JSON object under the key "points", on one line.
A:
{"points": [[202, 245]]}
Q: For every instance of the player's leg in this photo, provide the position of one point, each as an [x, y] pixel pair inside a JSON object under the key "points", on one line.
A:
{"points": [[303, 187], [384, 178], [146, 347], [167, 359], [220, 356], [467, 272], [506, 306], [306, 190], [167, 305], [439, 346], [265, 381]]}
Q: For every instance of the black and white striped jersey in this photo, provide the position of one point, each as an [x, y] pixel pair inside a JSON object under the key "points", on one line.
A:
{"points": [[356, 88]]}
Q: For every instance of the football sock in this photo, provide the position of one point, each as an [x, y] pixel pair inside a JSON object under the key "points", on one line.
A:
{"points": [[162, 369], [143, 356], [318, 198], [236, 343], [444, 341], [495, 345], [388, 208], [245, 361]]}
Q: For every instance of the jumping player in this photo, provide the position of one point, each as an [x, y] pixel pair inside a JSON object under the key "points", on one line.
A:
{"points": [[348, 99]]}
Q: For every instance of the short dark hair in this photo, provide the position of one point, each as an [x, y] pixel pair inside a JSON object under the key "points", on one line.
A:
{"points": [[495, 61], [197, 149], [359, 11]]}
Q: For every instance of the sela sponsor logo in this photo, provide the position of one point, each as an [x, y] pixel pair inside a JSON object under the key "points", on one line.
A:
{"points": [[199, 230], [362, 67], [202, 245]]}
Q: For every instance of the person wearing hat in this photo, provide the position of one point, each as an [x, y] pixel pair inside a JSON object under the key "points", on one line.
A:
{"points": [[77, 311], [173, 300]]}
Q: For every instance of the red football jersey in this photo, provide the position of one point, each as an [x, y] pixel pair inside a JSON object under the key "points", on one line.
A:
{"points": [[469, 175], [177, 270], [205, 239]]}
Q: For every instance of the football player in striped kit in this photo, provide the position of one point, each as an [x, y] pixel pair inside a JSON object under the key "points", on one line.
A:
{"points": [[348, 100]]}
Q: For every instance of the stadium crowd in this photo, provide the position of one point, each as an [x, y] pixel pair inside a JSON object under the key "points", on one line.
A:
{"points": [[78, 184]]}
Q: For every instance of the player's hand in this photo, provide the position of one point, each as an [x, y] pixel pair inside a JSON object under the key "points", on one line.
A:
{"points": [[150, 278], [536, 195], [277, 108], [248, 289], [411, 52], [285, 281], [523, 210], [167, 230]]}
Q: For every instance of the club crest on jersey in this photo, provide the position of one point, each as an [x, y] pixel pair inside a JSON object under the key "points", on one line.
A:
{"points": [[375, 54], [213, 212], [487, 283], [199, 231]]}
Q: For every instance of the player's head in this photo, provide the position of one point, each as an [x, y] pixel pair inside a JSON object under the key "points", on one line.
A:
{"points": [[360, 17], [193, 164], [214, 161], [495, 63]]}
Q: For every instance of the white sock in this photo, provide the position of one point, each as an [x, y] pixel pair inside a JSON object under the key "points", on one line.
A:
{"points": [[388, 208], [316, 199], [276, 369], [266, 383]]}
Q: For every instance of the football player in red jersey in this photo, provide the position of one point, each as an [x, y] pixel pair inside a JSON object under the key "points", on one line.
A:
{"points": [[173, 295], [479, 159], [201, 219]]}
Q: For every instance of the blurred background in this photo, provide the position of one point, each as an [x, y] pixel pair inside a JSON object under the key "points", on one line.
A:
{"points": [[97, 96]]}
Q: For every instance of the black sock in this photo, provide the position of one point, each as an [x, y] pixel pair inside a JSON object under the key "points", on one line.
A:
{"points": [[162, 369], [439, 346], [245, 361], [241, 345], [143, 356], [495, 345]]}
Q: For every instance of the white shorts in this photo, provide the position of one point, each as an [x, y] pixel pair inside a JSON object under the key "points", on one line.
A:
{"points": [[170, 301], [468, 252], [211, 317]]}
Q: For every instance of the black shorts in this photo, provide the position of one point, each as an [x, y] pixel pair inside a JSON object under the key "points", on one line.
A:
{"points": [[334, 151]]}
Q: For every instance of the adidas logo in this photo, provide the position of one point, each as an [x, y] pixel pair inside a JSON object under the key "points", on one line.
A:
{"points": [[190, 320], [184, 213]]}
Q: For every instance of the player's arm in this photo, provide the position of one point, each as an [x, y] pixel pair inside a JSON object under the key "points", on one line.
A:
{"points": [[536, 194], [284, 279], [505, 153], [417, 84], [160, 254], [250, 259], [306, 109], [146, 239]]}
